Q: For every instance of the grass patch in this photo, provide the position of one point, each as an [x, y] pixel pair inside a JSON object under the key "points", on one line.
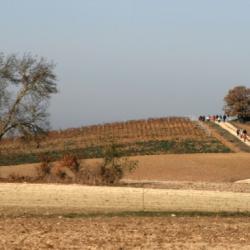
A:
{"points": [[139, 148]]}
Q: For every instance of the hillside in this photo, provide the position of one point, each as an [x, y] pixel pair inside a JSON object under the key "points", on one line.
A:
{"points": [[140, 137]]}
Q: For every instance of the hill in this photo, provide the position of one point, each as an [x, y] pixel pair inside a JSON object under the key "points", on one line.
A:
{"points": [[137, 137]]}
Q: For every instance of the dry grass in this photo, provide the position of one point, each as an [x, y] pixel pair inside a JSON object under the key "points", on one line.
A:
{"points": [[19, 199]]}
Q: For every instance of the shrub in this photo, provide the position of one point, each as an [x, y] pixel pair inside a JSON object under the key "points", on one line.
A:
{"points": [[19, 178], [70, 161], [68, 166], [114, 166], [46, 164], [59, 172], [88, 175]]}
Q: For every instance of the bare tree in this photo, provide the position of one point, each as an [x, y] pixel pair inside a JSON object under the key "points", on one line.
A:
{"points": [[26, 85], [237, 102]]}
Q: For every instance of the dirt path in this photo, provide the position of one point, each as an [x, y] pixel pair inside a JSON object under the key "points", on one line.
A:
{"points": [[232, 130], [125, 233], [242, 126], [220, 138], [19, 199]]}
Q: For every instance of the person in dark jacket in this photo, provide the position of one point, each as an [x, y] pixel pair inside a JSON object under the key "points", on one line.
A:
{"points": [[224, 118], [244, 134], [238, 132]]}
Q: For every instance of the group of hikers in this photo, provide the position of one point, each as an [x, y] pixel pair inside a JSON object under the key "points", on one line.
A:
{"points": [[242, 133], [214, 118]]}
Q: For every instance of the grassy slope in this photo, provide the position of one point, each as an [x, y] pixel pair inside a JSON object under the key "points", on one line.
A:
{"points": [[138, 148], [230, 137]]}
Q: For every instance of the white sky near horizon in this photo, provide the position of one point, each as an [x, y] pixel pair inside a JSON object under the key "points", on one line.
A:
{"points": [[130, 59]]}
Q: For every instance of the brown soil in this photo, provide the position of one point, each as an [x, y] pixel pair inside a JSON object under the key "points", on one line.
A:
{"points": [[186, 167], [190, 185], [125, 233], [193, 167]]}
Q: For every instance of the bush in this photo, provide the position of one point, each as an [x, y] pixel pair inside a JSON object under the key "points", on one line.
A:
{"points": [[67, 169], [115, 166], [68, 166], [70, 161], [59, 172], [46, 164]]}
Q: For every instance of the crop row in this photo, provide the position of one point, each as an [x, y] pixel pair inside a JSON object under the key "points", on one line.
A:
{"points": [[127, 132]]}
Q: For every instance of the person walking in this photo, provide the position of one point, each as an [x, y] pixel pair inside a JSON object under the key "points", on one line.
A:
{"points": [[238, 132], [244, 134], [224, 118]]}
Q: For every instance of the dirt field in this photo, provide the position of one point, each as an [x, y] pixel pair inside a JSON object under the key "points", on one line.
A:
{"points": [[193, 167], [37, 199], [25, 208], [125, 233], [241, 187], [32, 215], [183, 167]]}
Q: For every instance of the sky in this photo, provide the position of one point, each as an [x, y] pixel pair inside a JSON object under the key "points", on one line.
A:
{"points": [[129, 59]]}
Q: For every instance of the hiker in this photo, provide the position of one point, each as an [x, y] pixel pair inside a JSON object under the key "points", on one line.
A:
{"points": [[244, 135], [241, 133], [238, 132], [224, 118], [201, 118]]}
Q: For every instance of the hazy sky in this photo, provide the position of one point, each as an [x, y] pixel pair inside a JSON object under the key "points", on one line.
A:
{"points": [[127, 59]]}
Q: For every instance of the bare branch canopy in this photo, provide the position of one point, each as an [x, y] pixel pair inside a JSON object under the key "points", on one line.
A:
{"points": [[26, 85], [237, 102]]}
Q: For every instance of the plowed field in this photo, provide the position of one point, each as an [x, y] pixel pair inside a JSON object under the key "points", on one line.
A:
{"points": [[125, 233]]}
